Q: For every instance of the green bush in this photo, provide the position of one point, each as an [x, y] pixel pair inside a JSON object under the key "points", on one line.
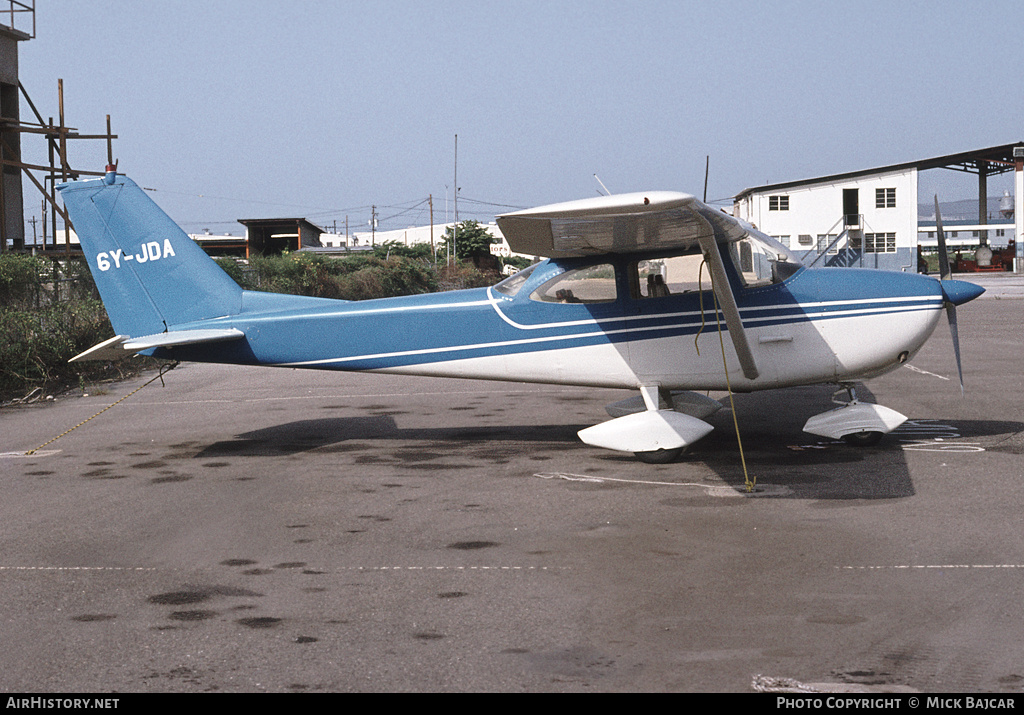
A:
{"points": [[238, 274], [38, 343], [358, 277], [22, 280], [394, 248], [32, 282], [457, 276], [50, 310]]}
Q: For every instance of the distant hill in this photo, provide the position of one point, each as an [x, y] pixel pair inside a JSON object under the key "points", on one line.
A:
{"points": [[963, 210]]}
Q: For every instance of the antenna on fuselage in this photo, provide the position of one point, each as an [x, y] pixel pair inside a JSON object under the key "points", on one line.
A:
{"points": [[707, 166], [606, 191]]}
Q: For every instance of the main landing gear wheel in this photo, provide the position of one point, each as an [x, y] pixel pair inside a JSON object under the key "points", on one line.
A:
{"points": [[862, 439], [660, 456]]}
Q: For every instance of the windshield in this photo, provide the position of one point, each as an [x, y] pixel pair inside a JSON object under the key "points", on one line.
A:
{"points": [[511, 285]]}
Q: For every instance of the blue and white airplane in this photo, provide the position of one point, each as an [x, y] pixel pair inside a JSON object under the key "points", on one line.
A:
{"points": [[637, 292]]}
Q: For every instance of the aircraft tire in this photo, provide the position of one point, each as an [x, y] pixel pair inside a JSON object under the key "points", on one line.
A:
{"points": [[660, 456], [863, 439]]}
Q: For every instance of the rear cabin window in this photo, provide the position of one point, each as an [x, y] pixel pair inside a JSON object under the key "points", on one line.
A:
{"points": [[593, 284], [675, 275]]}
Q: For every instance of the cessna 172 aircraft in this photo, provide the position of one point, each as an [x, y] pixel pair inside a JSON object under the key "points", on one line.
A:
{"points": [[633, 294]]}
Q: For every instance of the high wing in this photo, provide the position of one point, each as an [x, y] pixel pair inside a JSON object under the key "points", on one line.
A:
{"points": [[629, 223], [623, 223]]}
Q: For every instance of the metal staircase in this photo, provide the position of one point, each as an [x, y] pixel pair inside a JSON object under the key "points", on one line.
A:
{"points": [[844, 255]]}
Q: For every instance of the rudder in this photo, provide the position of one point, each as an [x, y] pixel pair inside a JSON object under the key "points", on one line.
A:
{"points": [[150, 274]]}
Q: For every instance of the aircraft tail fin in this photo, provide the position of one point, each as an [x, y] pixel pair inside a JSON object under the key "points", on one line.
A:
{"points": [[150, 274]]}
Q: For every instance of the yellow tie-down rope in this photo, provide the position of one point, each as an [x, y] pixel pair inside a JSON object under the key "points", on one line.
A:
{"points": [[728, 384], [163, 370]]}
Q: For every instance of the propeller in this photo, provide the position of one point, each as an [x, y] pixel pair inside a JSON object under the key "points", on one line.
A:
{"points": [[945, 274]]}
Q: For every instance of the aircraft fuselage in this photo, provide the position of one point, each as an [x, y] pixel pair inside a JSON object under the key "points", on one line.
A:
{"points": [[825, 325]]}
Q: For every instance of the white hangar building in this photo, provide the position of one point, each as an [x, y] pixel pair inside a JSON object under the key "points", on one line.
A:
{"points": [[870, 218]]}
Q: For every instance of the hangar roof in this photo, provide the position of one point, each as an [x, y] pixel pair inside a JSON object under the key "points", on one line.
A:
{"points": [[997, 160]]}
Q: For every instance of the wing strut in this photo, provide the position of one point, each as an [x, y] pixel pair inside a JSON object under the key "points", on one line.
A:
{"points": [[728, 301]]}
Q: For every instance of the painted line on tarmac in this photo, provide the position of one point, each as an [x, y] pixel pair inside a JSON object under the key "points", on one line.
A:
{"points": [[337, 396], [40, 453], [77, 568], [347, 568], [457, 568], [923, 567], [714, 490], [925, 372]]}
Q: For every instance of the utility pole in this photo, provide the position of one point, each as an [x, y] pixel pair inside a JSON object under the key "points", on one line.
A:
{"points": [[373, 225], [430, 198], [53, 189], [63, 160], [110, 146], [455, 226]]}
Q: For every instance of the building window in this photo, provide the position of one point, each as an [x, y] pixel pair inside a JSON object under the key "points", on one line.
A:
{"points": [[1000, 232], [885, 198], [825, 241], [879, 243], [784, 240], [778, 203]]}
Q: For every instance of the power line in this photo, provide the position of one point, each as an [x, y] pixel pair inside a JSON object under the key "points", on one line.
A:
{"points": [[490, 203], [320, 209]]}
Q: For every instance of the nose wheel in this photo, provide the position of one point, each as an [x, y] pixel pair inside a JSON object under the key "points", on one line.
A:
{"points": [[857, 423], [660, 456], [863, 439]]}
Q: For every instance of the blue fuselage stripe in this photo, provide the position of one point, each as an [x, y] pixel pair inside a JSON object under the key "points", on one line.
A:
{"points": [[478, 323], [560, 336]]}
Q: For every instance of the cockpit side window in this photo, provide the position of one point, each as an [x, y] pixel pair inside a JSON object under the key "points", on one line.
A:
{"points": [[592, 284]]}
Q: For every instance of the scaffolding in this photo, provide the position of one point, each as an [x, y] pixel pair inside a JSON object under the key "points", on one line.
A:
{"points": [[57, 135], [17, 24], [19, 15]]}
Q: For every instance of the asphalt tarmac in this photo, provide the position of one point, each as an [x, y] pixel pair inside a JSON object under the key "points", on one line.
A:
{"points": [[251, 529]]}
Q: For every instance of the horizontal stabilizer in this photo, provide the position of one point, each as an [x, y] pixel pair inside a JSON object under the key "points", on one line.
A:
{"points": [[122, 346], [112, 349]]}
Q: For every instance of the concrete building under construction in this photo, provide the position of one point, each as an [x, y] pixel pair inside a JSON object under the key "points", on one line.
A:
{"points": [[12, 225]]}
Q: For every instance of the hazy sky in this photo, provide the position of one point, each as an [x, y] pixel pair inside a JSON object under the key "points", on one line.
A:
{"points": [[235, 109]]}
